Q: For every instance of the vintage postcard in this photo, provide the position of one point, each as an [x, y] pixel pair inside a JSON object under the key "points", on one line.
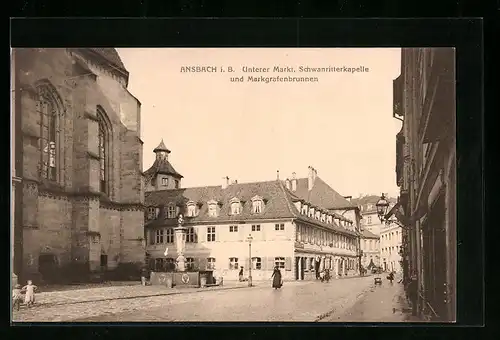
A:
{"points": [[233, 184]]}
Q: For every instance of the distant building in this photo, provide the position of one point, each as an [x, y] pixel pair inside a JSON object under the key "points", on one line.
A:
{"points": [[370, 245], [78, 205], [390, 247], [293, 224]]}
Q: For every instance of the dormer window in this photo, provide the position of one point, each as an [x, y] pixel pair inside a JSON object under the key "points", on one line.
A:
{"points": [[164, 181], [329, 219], [257, 204], [323, 217], [153, 213], [171, 212], [298, 205], [317, 215], [235, 206], [191, 209], [311, 212], [212, 208], [305, 209]]}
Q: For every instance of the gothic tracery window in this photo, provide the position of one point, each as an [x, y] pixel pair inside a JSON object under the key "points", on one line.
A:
{"points": [[103, 150], [49, 108]]}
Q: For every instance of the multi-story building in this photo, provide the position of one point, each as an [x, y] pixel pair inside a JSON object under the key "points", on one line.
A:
{"points": [[292, 222], [424, 99], [370, 246], [78, 158], [390, 247], [388, 258]]}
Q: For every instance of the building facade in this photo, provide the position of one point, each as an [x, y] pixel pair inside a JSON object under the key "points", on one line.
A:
{"points": [[370, 246], [79, 161], [424, 99], [287, 229], [391, 238]]}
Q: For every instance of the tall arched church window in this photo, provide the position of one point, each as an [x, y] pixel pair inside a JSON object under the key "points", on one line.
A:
{"points": [[49, 107], [103, 141]]}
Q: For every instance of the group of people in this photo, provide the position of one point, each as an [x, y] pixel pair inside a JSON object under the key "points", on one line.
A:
{"points": [[29, 295]]}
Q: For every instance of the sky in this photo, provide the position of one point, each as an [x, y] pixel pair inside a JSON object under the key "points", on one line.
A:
{"points": [[341, 125]]}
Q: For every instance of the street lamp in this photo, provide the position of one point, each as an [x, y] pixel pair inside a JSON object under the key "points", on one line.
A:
{"points": [[382, 206], [249, 239]]}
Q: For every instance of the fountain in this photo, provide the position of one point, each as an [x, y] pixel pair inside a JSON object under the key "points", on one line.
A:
{"points": [[181, 277]]}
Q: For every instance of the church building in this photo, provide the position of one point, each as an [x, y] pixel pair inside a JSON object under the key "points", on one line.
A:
{"points": [[79, 195], [293, 224]]}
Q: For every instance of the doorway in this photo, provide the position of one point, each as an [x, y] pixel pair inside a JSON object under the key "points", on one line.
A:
{"points": [[104, 262], [48, 268]]}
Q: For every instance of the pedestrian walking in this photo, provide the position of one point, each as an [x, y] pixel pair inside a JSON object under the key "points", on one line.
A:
{"points": [[277, 280], [240, 275], [29, 297], [17, 297]]}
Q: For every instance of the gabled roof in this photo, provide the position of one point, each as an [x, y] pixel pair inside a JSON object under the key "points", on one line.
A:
{"points": [[368, 234], [321, 195]]}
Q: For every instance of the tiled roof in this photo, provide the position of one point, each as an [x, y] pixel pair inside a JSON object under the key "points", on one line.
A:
{"points": [[321, 195], [111, 55], [278, 203], [161, 166], [368, 234]]}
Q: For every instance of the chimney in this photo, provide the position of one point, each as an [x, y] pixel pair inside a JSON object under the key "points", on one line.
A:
{"points": [[294, 181], [225, 182], [287, 183], [277, 174], [310, 178]]}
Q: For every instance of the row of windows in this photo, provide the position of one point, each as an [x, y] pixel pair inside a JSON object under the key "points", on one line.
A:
{"points": [[164, 182], [193, 208], [390, 250], [310, 263], [322, 215], [160, 236], [391, 236], [49, 107], [313, 235], [234, 263], [371, 244]]}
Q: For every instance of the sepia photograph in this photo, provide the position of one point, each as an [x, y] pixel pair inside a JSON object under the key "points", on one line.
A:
{"points": [[233, 185]]}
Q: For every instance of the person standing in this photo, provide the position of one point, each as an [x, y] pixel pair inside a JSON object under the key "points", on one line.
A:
{"points": [[240, 275], [277, 281], [29, 297]]}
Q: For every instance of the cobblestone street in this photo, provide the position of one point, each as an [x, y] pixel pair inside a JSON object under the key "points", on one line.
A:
{"points": [[381, 303], [350, 299]]}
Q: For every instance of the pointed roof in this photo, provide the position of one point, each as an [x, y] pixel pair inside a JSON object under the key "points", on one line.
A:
{"points": [[161, 147], [321, 195]]}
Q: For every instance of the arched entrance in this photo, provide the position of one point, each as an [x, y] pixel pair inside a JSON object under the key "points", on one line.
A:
{"points": [[48, 267]]}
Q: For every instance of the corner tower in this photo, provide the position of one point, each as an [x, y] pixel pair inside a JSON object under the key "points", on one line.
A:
{"points": [[162, 175]]}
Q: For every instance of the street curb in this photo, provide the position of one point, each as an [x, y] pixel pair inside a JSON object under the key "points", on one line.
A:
{"points": [[135, 297]]}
